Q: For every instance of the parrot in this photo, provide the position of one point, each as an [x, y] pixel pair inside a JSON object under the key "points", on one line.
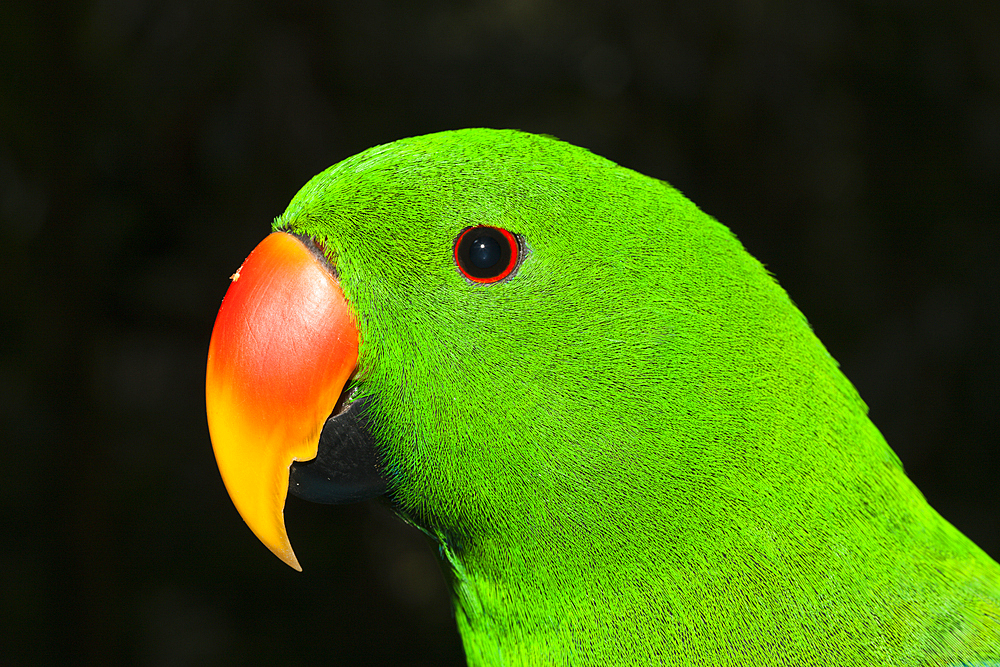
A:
{"points": [[624, 441]]}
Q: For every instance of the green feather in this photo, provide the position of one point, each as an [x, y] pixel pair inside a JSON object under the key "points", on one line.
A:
{"points": [[634, 450]]}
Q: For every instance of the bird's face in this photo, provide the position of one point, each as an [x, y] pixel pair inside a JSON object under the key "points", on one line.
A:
{"points": [[392, 314], [476, 321]]}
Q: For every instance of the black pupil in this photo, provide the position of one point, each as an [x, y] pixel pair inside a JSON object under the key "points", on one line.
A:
{"points": [[484, 253]]}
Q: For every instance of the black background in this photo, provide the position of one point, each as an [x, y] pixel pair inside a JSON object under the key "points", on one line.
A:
{"points": [[146, 145]]}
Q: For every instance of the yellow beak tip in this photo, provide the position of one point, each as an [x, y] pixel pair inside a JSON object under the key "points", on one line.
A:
{"points": [[272, 534], [289, 559]]}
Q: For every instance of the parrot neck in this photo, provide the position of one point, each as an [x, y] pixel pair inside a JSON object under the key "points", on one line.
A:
{"points": [[853, 555]]}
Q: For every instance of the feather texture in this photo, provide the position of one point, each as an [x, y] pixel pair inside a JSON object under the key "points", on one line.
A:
{"points": [[634, 450]]}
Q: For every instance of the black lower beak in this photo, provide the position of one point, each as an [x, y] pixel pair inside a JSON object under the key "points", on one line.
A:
{"points": [[348, 467]]}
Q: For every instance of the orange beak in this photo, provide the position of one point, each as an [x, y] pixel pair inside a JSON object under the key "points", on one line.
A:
{"points": [[283, 348]]}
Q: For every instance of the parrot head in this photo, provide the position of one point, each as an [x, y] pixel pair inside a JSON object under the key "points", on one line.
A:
{"points": [[457, 321]]}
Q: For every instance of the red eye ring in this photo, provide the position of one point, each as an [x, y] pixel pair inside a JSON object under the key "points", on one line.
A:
{"points": [[486, 254]]}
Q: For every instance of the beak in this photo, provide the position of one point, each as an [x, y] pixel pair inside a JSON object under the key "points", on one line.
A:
{"points": [[283, 348]]}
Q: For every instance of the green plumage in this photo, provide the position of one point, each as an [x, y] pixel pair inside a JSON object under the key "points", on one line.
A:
{"points": [[635, 450]]}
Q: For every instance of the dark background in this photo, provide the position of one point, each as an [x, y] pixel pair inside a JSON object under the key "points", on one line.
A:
{"points": [[853, 146]]}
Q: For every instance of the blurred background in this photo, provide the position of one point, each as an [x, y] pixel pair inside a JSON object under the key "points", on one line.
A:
{"points": [[146, 145]]}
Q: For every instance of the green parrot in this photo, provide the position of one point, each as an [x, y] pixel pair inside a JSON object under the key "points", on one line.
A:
{"points": [[623, 438]]}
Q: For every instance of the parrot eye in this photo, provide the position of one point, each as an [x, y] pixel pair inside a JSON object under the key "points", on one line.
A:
{"points": [[486, 254]]}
